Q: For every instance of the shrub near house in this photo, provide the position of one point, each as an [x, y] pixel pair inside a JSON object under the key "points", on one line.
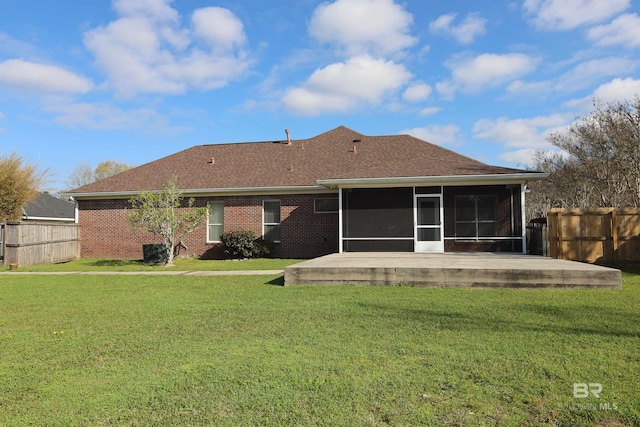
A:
{"points": [[244, 244]]}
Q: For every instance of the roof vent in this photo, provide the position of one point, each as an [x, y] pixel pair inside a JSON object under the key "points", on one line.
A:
{"points": [[212, 161], [288, 136], [356, 140], [354, 150]]}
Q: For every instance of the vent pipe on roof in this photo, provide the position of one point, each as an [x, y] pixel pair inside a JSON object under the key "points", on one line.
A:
{"points": [[288, 136], [212, 161]]}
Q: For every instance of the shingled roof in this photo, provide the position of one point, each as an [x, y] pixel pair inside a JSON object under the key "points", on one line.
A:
{"points": [[337, 154], [45, 206]]}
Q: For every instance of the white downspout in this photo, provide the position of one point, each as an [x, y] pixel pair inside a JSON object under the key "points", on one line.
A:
{"points": [[523, 226], [340, 245]]}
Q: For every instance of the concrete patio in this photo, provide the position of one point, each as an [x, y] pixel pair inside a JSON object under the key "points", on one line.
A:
{"points": [[459, 270]]}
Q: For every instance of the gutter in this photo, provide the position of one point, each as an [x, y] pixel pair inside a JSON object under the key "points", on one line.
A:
{"points": [[432, 180], [325, 185], [300, 189], [44, 218]]}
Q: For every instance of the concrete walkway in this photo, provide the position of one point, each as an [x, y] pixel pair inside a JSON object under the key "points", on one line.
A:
{"points": [[147, 273]]}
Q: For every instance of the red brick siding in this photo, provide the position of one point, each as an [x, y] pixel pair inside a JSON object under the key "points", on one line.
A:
{"points": [[304, 234]]}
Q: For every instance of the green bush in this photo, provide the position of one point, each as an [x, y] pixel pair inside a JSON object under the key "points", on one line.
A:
{"points": [[239, 244], [244, 244], [263, 248]]}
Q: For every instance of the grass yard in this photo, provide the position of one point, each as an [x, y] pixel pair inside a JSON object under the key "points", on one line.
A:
{"points": [[157, 350], [181, 264]]}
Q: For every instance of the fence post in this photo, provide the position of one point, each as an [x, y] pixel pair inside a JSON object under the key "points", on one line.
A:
{"points": [[559, 233], [615, 236], [2, 241], [552, 234]]}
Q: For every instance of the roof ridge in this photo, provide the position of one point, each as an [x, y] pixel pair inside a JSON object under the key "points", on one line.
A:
{"points": [[336, 130]]}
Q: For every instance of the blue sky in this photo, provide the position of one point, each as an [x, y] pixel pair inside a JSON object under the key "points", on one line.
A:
{"points": [[134, 80]]}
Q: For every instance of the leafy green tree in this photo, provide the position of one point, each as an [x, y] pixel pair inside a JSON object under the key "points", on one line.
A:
{"points": [[167, 214], [19, 183]]}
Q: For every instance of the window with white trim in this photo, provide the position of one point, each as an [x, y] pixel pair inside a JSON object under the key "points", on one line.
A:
{"points": [[476, 216], [271, 220], [215, 221]]}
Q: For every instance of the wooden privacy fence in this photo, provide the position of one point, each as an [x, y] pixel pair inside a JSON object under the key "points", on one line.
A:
{"points": [[33, 243], [599, 235]]}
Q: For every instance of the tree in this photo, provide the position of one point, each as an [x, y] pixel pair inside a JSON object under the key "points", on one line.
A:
{"points": [[84, 174], [165, 213], [600, 163], [19, 183], [108, 168]]}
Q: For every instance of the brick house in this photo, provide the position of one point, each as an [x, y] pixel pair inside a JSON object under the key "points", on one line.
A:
{"points": [[338, 191]]}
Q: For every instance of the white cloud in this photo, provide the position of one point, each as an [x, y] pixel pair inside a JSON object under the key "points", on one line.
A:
{"points": [[146, 51], [14, 48], [429, 111], [154, 9], [344, 86], [569, 14], [99, 116], [617, 90], [519, 133], [623, 31], [465, 32], [519, 87], [33, 77], [227, 33], [377, 27], [417, 92], [589, 72], [483, 71], [436, 134], [583, 75], [519, 157]]}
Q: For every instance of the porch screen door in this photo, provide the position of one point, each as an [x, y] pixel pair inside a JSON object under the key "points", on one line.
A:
{"points": [[428, 233]]}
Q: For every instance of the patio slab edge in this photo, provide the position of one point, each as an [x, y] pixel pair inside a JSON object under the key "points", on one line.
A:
{"points": [[458, 271]]}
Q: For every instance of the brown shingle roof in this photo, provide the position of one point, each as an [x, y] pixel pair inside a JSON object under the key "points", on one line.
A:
{"points": [[330, 155]]}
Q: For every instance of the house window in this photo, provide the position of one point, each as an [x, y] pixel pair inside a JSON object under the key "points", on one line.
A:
{"points": [[271, 220], [215, 221], [329, 205], [476, 216]]}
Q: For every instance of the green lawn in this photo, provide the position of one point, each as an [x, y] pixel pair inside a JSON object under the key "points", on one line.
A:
{"points": [[157, 350], [181, 264]]}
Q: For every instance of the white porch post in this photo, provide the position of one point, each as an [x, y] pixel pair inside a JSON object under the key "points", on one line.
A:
{"points": [[340, 246], [523, 188]]}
